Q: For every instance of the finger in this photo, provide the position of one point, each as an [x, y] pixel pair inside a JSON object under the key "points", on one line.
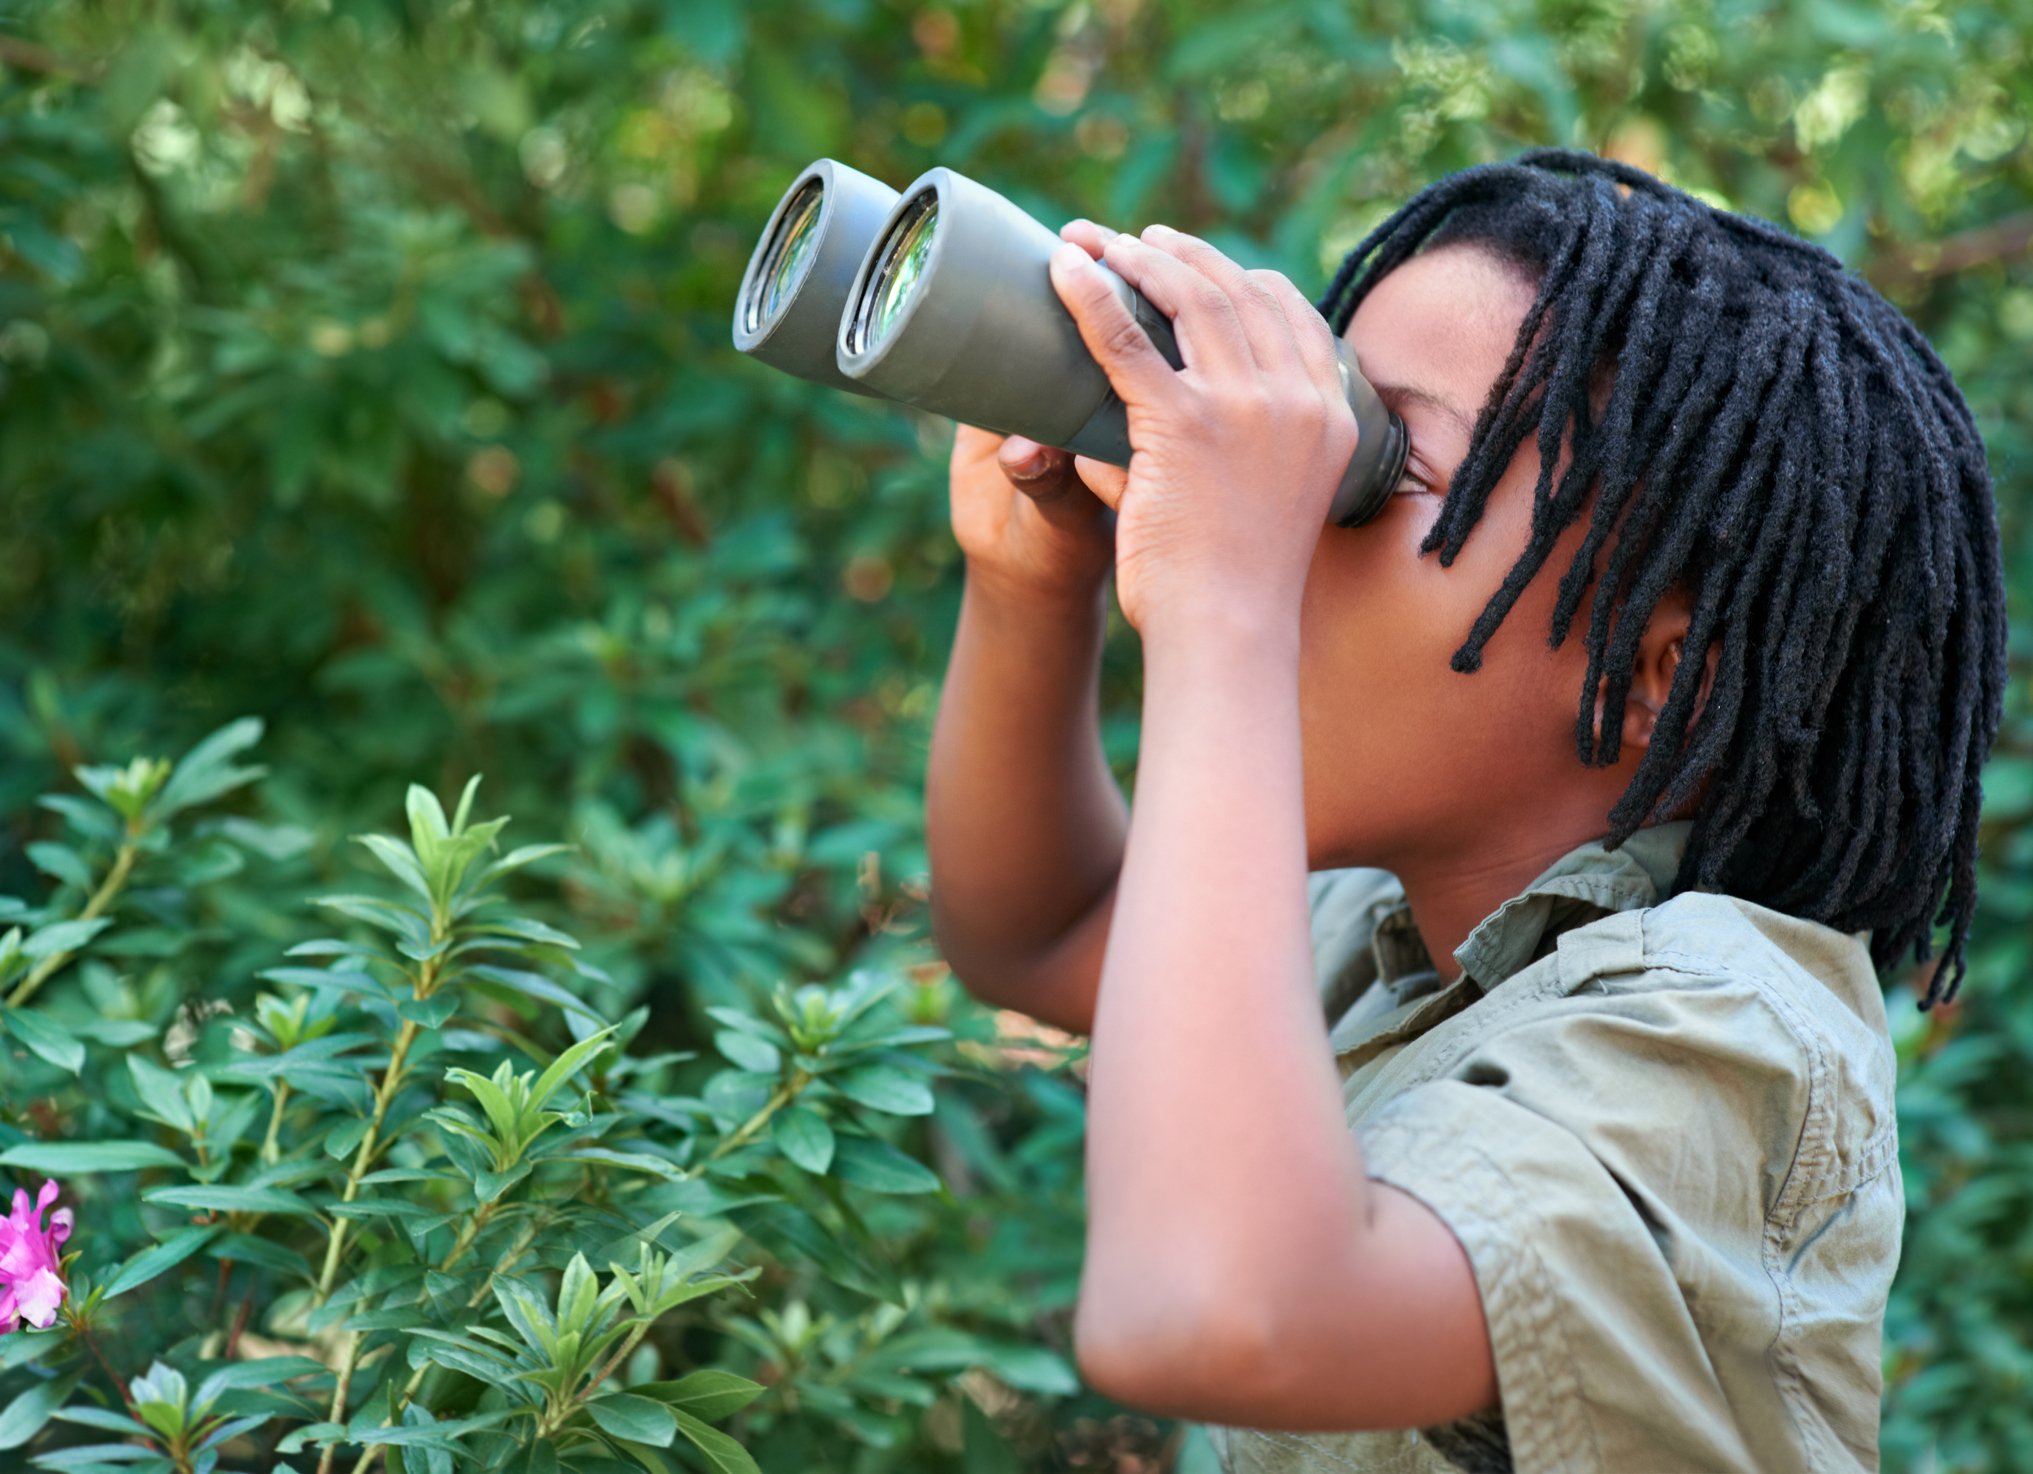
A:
{"points": [[1105, 481], [1041, 472], [1281, 336], [971, 443], [1263, 320], [1135, 368], [1312, 337], [1088, 235], [1204, 321]]}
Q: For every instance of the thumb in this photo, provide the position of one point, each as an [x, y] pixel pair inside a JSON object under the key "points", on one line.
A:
{"points": [[1040, 472], [1135, 368]]}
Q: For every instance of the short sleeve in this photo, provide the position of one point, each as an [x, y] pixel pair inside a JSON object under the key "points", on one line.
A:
{"points": [[1608, 1161]]}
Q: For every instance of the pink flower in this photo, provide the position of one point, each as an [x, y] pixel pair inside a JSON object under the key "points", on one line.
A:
{"points": [[30, 1286]]}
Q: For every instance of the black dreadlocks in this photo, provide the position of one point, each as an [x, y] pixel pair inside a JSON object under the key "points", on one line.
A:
{"points": [[1784, 445]]}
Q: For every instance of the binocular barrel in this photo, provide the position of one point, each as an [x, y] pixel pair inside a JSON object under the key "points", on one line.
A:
{"points": [[941, 298], [788, 310]]}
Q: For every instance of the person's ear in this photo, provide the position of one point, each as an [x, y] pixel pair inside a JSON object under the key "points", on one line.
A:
{"points": [[1658, 658]]}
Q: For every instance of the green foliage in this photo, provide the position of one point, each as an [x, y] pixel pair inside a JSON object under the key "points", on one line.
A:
{"points": [[365, 368], [394, 1193]]}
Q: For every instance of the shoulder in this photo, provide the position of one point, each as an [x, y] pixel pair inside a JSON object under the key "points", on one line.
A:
{"points": [[1742, 982]]}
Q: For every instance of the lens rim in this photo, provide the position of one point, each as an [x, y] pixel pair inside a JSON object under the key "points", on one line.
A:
{"points": [[802, 213], [911, 217]]}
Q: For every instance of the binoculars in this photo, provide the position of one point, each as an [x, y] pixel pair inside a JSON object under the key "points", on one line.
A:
{"points": [[941, 297]]}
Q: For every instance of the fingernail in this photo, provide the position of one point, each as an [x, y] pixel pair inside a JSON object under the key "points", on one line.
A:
{"points": [[1159, 230], [1070, 257]]}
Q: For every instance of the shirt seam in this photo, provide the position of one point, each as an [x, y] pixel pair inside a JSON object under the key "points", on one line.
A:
{"points": [[1517, 1260], [1782, 1355]]}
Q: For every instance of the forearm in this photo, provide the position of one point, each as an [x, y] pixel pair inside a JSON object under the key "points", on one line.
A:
{"points": [[1217, 1155], [1025, 826]]}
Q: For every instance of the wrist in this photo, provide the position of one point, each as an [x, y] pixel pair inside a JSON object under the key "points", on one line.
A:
{"points": [[1252, 630], [1074, 600]]}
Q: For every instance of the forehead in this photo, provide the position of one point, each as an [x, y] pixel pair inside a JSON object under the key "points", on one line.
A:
{"points": [[1444, 321]]}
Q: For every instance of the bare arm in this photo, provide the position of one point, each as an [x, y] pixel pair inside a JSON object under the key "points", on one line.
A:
{"points": [[1025, 826]]}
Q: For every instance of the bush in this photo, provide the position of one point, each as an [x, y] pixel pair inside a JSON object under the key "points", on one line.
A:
{"points": [[418, 1197]]}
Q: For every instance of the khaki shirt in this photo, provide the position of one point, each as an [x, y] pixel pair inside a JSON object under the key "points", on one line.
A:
{"points": [[1662, 1132]]}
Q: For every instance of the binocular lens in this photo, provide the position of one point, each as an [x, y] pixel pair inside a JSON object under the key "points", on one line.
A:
{"points": [[790, 256], [800, 274], [904, 253]]}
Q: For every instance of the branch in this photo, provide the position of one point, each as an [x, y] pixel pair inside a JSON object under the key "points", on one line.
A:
{"points": [[1931, 260], [26, 56]]}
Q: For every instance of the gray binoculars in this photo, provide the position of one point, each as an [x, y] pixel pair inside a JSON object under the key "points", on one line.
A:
{"points": [[941, 297]]}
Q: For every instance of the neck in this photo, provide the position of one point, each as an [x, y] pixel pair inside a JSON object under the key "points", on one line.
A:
{"points": [[1450, 895]]}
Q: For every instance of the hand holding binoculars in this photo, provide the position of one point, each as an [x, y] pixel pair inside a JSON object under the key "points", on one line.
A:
{"points": [[941, 297]]}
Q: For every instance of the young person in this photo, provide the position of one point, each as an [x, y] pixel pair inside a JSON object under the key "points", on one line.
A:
{"points": [[1489, 1068]]}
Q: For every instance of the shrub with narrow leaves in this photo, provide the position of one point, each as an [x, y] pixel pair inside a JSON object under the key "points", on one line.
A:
{"points": [[418, 1201]]}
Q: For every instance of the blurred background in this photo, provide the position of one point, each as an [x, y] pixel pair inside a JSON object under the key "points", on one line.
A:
{"points": [[365, 367]]}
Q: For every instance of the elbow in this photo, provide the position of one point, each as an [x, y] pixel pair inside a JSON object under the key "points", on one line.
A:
{"points": [[1172, 1355]]}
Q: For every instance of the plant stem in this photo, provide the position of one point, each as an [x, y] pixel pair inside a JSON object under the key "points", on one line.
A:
{"points": [[780, 1098], [119, 1386], [634, 1340], [522, 1242], [391, 1081], [109, 888], [269, 1150]]}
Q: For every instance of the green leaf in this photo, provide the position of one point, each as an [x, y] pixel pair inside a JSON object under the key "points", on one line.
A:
{"points": [[223, 1197], [804, 1137], [501, 1112], [748, 1051], [565, 1065], [427, 826], [207, 770], [74, 1158], [880, 1167], [638, 1419], [523, 928], [515, 859], [399, 861], [50, 1040], [947, 1348], [529, 984], [61, 862], [152, 1261], [884, 1088], [23, 1418], [722, 1452], [162, 1091], [63, 936], [432, 1012], [710, 1393], [655, 1166]]}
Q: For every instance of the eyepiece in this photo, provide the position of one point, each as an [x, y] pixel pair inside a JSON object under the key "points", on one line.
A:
{"points": [[787, 312]]}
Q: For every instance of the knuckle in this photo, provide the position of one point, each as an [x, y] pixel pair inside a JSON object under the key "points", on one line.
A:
{"points": [[1265, 283], [1339, 427], [1123, 338], [1207, 297]]}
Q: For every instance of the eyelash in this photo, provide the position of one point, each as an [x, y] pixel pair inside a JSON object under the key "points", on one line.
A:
{"points": [[1412, 480]]}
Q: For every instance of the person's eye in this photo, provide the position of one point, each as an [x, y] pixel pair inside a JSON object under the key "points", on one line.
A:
{"points": [[1410, 482]]}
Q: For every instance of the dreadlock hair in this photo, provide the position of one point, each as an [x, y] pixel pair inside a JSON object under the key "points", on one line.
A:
{"points": [[1782, 443]]}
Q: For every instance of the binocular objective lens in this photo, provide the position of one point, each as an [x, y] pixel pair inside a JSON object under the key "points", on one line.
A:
{"points": [[790, 253], [903, 261]]}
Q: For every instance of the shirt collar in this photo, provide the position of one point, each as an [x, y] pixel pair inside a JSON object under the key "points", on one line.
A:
{"points": [[1585, 883]]}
